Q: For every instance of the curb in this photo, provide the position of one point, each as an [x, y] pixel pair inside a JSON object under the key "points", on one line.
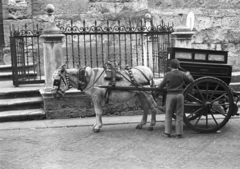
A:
{"points": [[79, 122], [76, 122]]}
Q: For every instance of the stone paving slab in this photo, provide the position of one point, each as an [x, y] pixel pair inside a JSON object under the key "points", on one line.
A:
{"points": [[119, 146]]}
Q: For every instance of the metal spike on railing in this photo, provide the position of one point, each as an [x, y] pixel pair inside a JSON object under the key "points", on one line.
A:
{"points": [[84, 26], [95, 26], [71, 25], [108, 26]]}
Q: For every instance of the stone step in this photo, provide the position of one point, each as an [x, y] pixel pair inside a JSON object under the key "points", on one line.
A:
{"points": [[21, 103], [19, 115], [7, 93]]}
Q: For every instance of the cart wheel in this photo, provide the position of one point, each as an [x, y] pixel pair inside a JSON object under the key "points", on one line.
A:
{"points": [[208, 105]]}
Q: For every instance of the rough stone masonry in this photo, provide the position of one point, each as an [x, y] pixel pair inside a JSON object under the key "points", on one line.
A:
{"points": [[216, 21]]}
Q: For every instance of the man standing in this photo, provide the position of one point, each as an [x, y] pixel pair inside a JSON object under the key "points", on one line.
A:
{"points": [[174, 81]]}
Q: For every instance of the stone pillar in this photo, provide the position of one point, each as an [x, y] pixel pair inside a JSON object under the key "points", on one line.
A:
{"points": [[182, 36], [52, 48]]}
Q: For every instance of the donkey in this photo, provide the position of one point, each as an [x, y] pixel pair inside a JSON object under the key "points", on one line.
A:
{"points": [[88, 80]]}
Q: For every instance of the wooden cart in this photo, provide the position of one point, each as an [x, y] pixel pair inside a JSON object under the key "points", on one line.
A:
{"points": [[209, 101]]}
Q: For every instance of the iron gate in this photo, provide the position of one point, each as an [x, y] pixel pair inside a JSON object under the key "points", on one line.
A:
{"points": [[26, 56]]}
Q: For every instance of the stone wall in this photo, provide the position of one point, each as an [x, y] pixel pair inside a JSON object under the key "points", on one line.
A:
{"points": [[76, 104], [216, 21]]}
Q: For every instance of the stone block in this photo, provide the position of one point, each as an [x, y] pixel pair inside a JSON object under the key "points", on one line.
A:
{"points": [[15, 9]]}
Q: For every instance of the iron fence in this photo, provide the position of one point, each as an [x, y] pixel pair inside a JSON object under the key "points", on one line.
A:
{"points": [[26, 56], [126, 43], [92, 45]]}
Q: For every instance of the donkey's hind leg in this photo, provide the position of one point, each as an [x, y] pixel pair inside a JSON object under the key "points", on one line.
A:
{"points": [[98, 111], [147, 103], [145, 106]]}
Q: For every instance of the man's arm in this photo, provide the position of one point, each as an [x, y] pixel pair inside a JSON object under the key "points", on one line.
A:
{"points": [[163, 83], [188, 78]]}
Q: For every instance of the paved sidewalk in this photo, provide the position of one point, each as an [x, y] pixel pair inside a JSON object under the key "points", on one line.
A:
{"points": [[118, 146], [79, 122], [75, 122]]}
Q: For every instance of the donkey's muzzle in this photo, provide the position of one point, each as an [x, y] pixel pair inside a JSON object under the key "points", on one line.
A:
{"points": [[57, 93], [56, 82]]}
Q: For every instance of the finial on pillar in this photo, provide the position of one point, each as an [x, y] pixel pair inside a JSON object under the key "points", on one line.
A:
{"points": [[50, 8], [51, 27]]}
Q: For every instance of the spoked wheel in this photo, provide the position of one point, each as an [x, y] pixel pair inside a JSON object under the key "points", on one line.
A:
{"points": [[208, 105]]}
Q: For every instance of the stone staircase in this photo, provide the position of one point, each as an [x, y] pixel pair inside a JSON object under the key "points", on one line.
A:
{"points": [[19, 103]]}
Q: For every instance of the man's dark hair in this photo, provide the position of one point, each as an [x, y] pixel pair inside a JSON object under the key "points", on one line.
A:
{"points": [[174, 63]]}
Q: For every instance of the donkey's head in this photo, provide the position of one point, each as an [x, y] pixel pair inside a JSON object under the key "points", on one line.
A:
{"points": [[60, 82], [65, 79]]}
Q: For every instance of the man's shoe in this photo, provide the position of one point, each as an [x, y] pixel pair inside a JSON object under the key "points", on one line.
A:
{"points": [[179, 136], [166, 134]]}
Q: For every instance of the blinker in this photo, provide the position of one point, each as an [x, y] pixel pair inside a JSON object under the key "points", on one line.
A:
{"points": [[56, 82]]}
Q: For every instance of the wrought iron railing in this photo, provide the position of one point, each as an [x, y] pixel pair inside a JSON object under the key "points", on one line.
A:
{"points": [[127, 43], [92, 45]]}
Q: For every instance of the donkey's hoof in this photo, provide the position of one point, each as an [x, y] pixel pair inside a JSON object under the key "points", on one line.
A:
{"points": [[139, 126], [96, 130], [150, 128]]}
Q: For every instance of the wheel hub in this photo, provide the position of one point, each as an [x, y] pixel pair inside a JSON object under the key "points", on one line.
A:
{"points": [[208, 105]]}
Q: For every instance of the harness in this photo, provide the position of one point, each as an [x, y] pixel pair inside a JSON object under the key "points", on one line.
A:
{"points": [[57, 82], [113, 77], [82, 80], [129, 73]]}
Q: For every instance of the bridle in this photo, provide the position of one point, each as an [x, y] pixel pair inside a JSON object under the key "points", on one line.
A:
{"points": [[57, 83], [82, 80]]}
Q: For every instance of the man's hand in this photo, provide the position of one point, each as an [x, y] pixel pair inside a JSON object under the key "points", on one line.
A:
{"points": [[187, 73]]}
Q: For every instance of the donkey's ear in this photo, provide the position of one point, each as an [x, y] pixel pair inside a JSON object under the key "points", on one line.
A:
{"points": [[62, 66]]}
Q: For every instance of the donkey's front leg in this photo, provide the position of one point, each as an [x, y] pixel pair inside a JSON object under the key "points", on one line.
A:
{"points": [[97, 126], [98, 111], [143, 121]]}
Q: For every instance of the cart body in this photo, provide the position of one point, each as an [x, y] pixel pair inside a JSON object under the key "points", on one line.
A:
{"points": [[209, 101]]}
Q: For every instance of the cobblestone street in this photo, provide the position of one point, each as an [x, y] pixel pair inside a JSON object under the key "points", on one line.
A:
{"points": [[118, 146]]}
